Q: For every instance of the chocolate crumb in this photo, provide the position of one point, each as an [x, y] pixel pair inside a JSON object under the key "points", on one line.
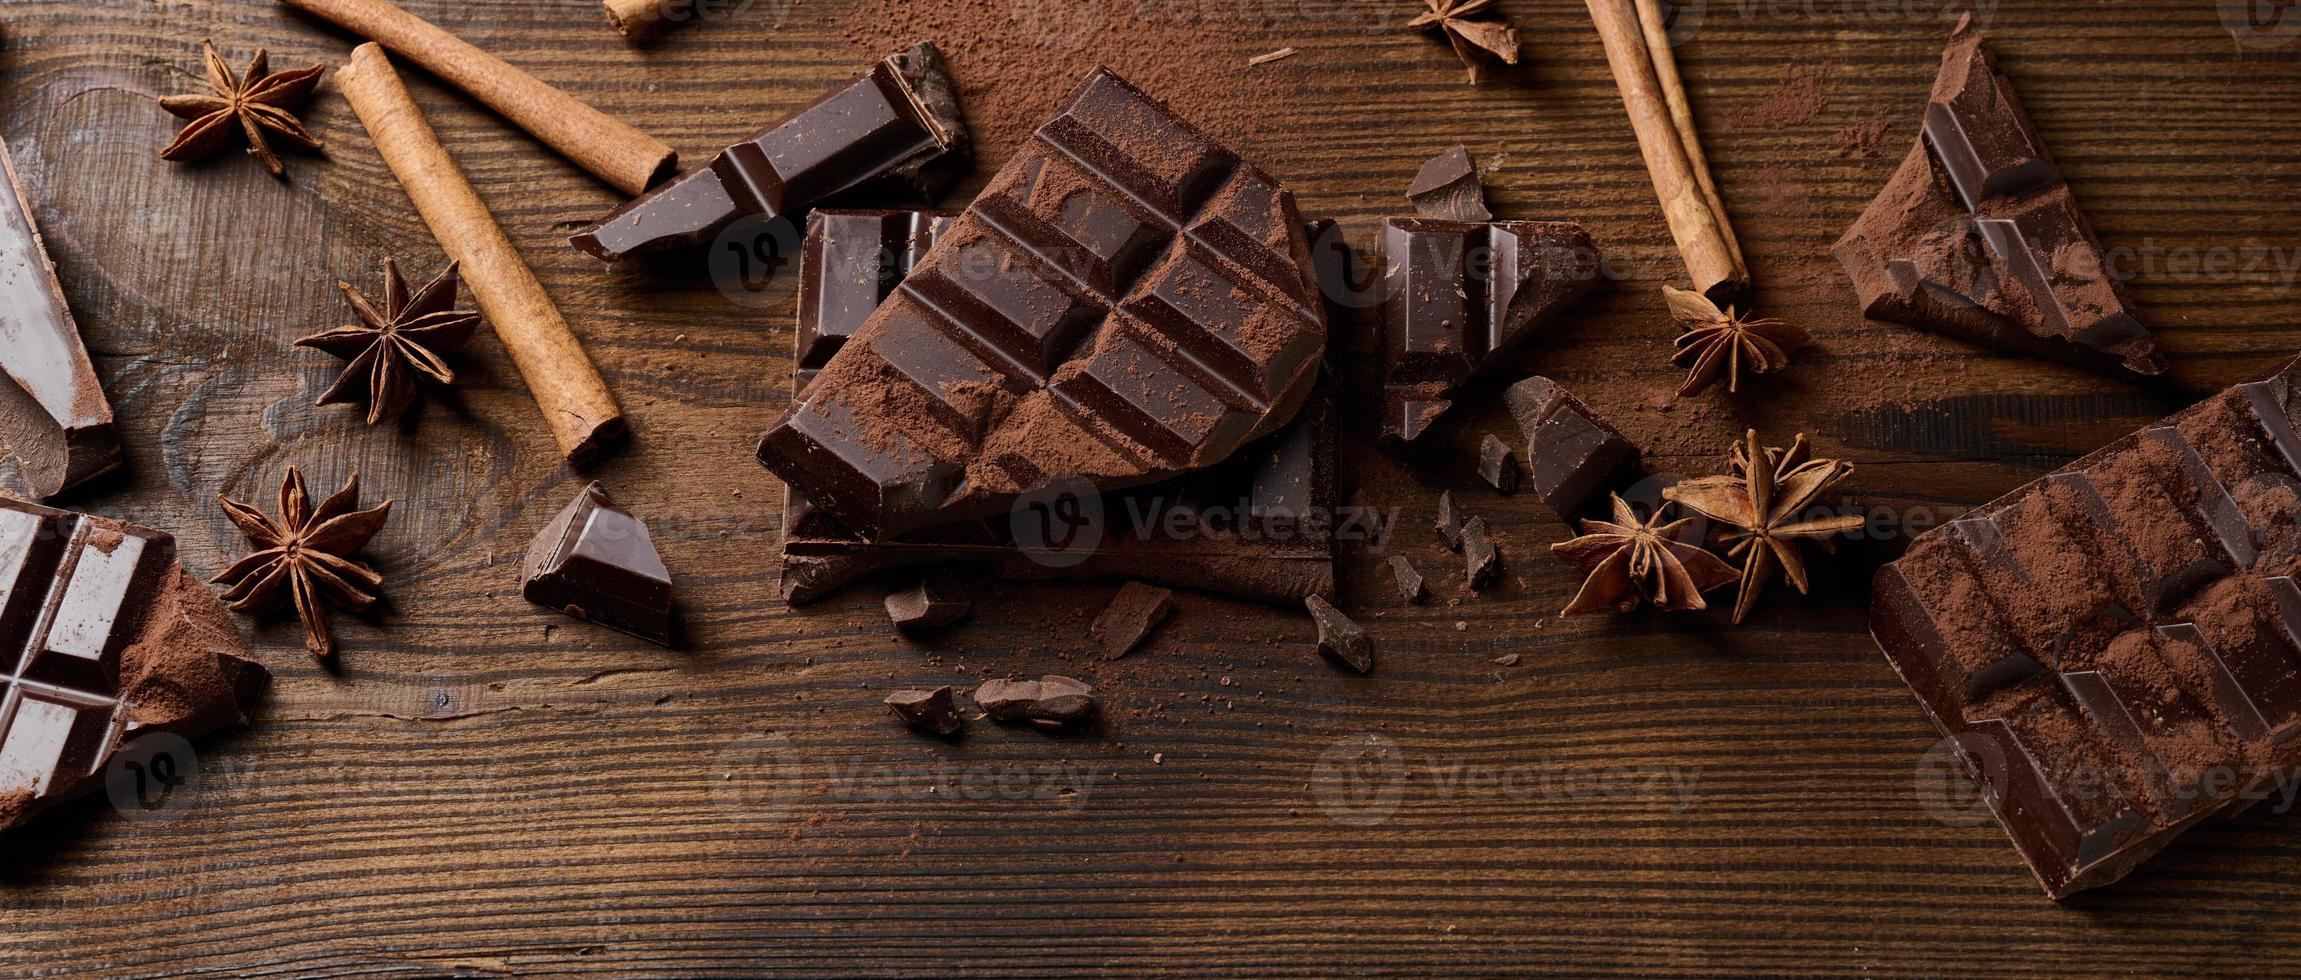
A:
{"points": [[1132, 616], [1339, 638], [933, 604], [1448, 527], [934, 712], [1484, 559], [1410, 584], [1497, 465]]}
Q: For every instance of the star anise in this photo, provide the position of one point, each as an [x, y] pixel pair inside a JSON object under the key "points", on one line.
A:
{"points": [[390, 350], [1629, 559], [1768, 505], [252, 103], [305, 557], [1479, 31], [1716, 342]]}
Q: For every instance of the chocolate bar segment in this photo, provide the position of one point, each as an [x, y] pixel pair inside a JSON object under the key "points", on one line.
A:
{"points": [[103, 640], [893, 132], [1125, 302], [1573, 457], [1977, 236], [594, 562], [1258, 526], [849, 263], [1460, 293], [52, 408], [2115, 649]]}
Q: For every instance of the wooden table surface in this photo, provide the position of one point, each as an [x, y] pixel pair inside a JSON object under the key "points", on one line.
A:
{"points": [[488, 788]]}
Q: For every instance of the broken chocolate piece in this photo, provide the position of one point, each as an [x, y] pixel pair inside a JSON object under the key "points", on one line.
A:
{"points": [[1126, 301], [1497, 465], [894, 132], [1448, 526], [594, 562], [2115, 650], [1447, 189], [848, 264], [1053, 701], [109, 642], [52, 409], [1483, 561], [933, 604], [934, 712], [1339, 638], [1411, 587], [1573, 457], [1130, 619], [1457, 295], [1978, 237]]}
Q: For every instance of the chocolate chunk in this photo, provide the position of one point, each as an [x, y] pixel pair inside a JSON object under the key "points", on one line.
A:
{"points": [[52, 408], [1339, 638], [1483, 561], [110, 642], [1283, 488], [1497, 465], [1053, 701], [934, 712], [1410, 584], [1447, 189], [2115, 649], [1977, 236], [1448, 525], [894, 133], [1458, 295], [933, 604], [1573, 457], [1126, 301], [594, 562], [1130, 618]]}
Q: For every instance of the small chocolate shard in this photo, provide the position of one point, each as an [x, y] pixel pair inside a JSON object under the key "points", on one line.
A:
{"points": [[1052, 701], [594, 562], [1447, 188], [1497, 465], [1448, 525], [1506, 660], [52, 408], [1130, 619], [935, 712], [893, 132], [1339, 638], [1483, 560], [1573, 457], [932, 604], [1411, 586]]}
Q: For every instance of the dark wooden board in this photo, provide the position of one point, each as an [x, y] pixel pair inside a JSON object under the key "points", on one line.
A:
{"points": [[490, 788]]}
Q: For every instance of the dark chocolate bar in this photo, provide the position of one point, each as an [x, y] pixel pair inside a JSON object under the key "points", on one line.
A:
{"points": [[1459, 293], [894, 132], [1978, 237], [1125, 302], [107, 641], [1573, 457], [2115, 649], [52, 408], [1284, 487], [594, 562]]}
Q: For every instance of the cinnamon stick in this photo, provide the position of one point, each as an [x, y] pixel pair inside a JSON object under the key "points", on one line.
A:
{"points": [[637, 19], [1662, 53], [611, 149], [1695, 225], [575, 401]]}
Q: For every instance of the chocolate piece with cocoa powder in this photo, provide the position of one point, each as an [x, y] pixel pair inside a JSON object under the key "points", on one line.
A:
{"points": [[1573, 456], [108, 641], [1977, 236], [2115, 649], [52, 408], [1133, 615], [1339, 638], [1127, 301], [894, 133], [1258, 526]]}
